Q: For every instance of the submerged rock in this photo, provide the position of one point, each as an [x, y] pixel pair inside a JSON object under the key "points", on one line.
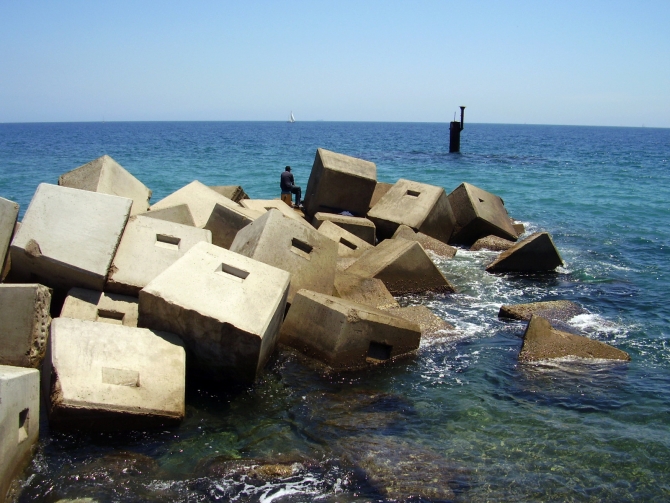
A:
{"points": [[560, 310], [542, 342], [493, 243], [431, 325]]}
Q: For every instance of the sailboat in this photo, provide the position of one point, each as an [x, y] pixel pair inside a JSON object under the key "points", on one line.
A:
{"points": [[291, 118]]}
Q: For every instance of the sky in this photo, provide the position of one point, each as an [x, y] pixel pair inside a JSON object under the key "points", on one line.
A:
{"points": [[585, 62]]}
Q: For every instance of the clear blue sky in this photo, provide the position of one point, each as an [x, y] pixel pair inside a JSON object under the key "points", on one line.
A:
{"points": [[546, 62]]}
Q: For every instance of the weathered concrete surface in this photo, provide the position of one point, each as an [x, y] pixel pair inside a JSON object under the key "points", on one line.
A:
{"points": [[346, 335], [542, 342], [225, 222], [367, 291], [519, 228], [361, 227], [339, 182], [227, 307], [536, 253], [309, 256], [233, 192], [200, 200], [348, 245], [99, 376], [104, 307], [263, 205], [428, 243], [147, 248], [107, 176], [558, 310], [9, 211], [493, 243], [68, 237], [431, 325], [403, 266], [425, 208], [477, 214], [24, 324], [179, 214], [19, 421], [380, 190]]}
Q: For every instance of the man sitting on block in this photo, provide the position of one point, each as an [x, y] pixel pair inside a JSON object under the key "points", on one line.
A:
{"points": [[287, 184]]}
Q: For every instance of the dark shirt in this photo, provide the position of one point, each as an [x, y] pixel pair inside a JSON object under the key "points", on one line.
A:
{"points": [[286, 181]]}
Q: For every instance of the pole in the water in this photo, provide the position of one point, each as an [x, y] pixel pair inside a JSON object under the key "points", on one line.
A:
{"points": [[455, 129]]}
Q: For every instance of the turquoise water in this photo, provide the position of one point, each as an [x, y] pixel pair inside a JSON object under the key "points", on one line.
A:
{"points": [[462, 420]]}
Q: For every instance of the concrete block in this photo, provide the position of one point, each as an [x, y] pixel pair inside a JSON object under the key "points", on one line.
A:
{"points": [[225, 222], [346, 335], [147, 248], [478, 214], [403, 266], [348, 245], [99, 376], [361, 227], [9, 212], [233, 192], [422, 207], [179, 214], [536, 253], [68, 237], [555, 310], [519, 227], [367, 291], [493, 243], [339, 182], [263, 205], [227, 308], [24, 324], [90, 305], [107, 176], [19, 421], [309, 256], [431, 325], [380, 190], [542, 342], [200, 200], [428, 243]]}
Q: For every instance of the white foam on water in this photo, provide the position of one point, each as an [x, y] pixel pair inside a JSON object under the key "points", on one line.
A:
{"points": [[590, 323]]}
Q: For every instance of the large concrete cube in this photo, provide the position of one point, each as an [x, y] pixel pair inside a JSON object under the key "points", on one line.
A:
{"points": [[348, 245], [536, 253], [99, 376], [309, 256], [90, 305], [263, 205], [477, 214], [339, 183], [200, 200], [403, 266], [24, 324], [9, 211], [19, 421], [438, 247], [346, 335], [179, 214], [147, 248], [425, 208], [361, 227], [368, 291], [227, 308], [105, 175], [225, 222], [380, 190], [233, 192], [68, 237]]}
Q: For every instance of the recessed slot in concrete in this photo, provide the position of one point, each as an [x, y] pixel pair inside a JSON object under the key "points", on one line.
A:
{"points": [[379, 352], [121, 377], [24, 421], [301, 248], [268, 208], [481, 200], [232, 272], [348, 244], [413, 193], [115, 317], [169, 242]]}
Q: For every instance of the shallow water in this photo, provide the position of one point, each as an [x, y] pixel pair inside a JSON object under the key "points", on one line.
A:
{"points": [[462, 420]]}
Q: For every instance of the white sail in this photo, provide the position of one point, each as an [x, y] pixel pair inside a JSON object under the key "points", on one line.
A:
{"points": [[291, 119]]}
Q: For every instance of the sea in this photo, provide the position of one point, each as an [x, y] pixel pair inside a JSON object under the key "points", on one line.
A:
{"points": [[463, 420]]}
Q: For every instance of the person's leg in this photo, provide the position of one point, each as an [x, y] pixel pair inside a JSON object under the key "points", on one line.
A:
{"points": [[298, 192]]}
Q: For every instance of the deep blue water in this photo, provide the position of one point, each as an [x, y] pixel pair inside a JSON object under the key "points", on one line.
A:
{"points": [[498, 430]]}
